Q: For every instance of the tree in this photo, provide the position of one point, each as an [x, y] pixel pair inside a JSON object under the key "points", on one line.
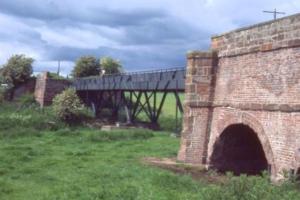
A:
{"points": [[17, 70], [86, 66], [110, 65]]}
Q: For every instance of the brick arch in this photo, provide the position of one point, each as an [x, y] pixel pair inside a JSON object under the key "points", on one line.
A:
{"points": [[255, 125]]}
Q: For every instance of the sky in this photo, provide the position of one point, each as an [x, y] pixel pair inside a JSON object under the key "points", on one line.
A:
{"points": [[141, 34]]}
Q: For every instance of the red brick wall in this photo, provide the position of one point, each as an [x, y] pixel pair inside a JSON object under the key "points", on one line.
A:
{"points": [[26, 88], [46, 88], [257, 83], [260, 78]]}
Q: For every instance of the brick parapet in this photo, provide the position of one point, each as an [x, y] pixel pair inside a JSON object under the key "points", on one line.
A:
{"points": [[273, 35]]}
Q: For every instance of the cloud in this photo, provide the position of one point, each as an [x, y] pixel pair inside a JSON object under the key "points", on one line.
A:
{"points": [[52, 66], [141, 34], [80, 11], [74, 37]]}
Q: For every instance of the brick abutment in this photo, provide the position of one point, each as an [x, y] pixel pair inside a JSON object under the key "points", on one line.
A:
{"points": [[250, 80]]}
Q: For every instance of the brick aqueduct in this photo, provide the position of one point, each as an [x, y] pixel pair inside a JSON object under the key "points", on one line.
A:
{"points": [[242, 106]]}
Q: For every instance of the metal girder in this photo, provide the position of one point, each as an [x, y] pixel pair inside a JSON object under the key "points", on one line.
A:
{"points": [[133, 103]]}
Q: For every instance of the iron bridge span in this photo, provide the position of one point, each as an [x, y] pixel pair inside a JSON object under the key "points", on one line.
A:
{"points": [[134, 92]]}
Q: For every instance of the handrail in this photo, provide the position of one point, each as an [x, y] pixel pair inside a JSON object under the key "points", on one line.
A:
{"points": [[136, 72]]}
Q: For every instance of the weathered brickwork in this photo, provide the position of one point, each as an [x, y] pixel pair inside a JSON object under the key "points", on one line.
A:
{"points": [[25, 88], [283, 33], [46, 88], [199, 91], [252, 78]]}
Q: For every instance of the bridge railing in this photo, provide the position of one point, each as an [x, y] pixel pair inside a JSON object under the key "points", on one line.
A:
{"points": [[136, 72], [162, 79]]}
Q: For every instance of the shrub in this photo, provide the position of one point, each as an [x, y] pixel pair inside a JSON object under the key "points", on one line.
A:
{"points": [[68, 107]]}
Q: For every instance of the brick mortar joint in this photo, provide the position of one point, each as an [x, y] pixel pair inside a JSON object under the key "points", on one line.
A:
{"points": [[253, 107], [224, 55], [210, 54]]}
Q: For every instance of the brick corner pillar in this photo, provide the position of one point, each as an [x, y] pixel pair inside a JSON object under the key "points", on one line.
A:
{"points": [[199, 87], [40, 88]]}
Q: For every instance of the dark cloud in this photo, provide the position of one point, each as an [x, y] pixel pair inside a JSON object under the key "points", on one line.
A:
{"points": [[23, 36], [51, 11], [164, 57], [141, 34], [45, 10], [154, 39], [164, 31]]}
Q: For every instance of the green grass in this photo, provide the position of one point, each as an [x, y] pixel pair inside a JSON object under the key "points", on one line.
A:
{"points": [[13, 116], [81, 163], [167, 119]]}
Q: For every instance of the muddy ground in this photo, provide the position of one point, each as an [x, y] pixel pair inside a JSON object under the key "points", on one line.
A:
{"points": [[197, 172]]}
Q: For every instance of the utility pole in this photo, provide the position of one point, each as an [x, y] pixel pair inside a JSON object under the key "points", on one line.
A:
{"points": [[58, 68], [275, 12]]}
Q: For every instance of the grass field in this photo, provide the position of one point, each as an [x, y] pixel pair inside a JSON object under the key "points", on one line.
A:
{"points": [[41, 158]]}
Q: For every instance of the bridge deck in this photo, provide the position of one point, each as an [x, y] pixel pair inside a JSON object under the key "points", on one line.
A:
{"points": [[159, 80]]}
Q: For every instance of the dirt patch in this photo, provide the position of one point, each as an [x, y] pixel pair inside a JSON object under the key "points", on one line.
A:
{"points": [[108, 125], [197, 172]]}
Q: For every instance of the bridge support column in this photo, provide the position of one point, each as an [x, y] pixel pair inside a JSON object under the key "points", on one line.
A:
{"points": [[197, 107]]}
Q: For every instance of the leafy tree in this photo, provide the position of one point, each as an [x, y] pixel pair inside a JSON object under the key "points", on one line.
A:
{"points": [[110, 65], [17, 70], [86, 66]]}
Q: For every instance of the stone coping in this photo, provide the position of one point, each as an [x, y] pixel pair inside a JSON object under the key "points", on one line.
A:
{"points": [[249, 106], [256, 25], [201, 54]]}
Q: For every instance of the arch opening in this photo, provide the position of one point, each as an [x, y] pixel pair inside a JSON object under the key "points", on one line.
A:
{"points": [[239, 150]]}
